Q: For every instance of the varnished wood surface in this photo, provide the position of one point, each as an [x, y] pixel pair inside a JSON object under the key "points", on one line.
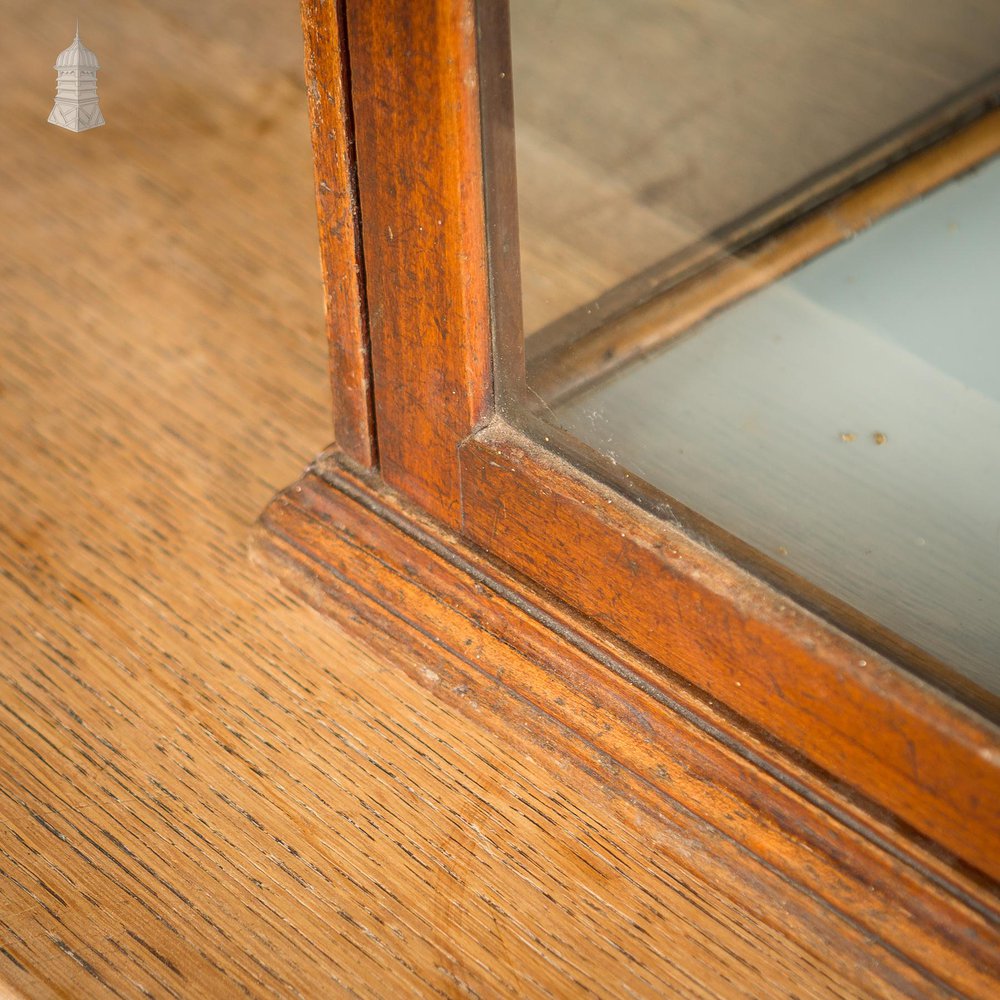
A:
{"points": [[932, 762], [205, 789], [796, 850], [415, 94], [338, 211]]}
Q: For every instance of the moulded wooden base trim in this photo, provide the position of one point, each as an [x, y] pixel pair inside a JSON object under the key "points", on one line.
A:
{"points": [[851, 886], [700, 615]]}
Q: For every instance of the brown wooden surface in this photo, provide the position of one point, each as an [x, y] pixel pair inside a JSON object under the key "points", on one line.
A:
{"points": [[416, 106], [206, 790], [327, 85], [846, 887], [582, 361], [930, 761]]}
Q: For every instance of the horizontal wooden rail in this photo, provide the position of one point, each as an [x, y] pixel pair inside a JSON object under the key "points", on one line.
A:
{"points": [[925, 758]]}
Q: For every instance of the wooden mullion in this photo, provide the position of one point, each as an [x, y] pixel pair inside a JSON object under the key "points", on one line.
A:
{"points": [[415, 98]]}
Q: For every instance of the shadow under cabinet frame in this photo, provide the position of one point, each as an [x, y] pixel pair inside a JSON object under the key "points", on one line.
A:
{"points": [[823, 784]]}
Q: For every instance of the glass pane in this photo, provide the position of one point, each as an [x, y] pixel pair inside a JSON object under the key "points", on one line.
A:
{"points": [[845, 420], [643, 126], [828, 395]]}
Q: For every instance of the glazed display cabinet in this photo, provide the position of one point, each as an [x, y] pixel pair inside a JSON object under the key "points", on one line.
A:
{"points": [[665, 362]]}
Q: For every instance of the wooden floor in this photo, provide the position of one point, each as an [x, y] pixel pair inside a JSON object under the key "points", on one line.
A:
{"points": [[206, 790]]}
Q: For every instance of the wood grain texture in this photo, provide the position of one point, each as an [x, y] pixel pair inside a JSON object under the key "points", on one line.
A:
{"points": [[206, 790], [416, 107], [721, 802], [930, 761], [337, 208]]}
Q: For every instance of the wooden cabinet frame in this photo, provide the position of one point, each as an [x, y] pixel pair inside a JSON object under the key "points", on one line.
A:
{"points": [[795, 762]]}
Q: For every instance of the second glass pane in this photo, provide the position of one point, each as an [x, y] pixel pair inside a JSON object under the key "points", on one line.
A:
{"points": [[832, 402], [643, 126]]}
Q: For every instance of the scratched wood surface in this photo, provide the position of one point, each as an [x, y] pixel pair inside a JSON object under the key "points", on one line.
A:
{"points": [[206, 790]]}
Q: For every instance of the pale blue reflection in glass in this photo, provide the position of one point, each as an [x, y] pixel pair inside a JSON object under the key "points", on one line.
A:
{"points": [[845, 420]]}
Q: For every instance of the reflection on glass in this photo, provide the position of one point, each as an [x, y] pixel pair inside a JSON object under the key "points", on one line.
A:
{"points": [[845, 420], [643, 126]]}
